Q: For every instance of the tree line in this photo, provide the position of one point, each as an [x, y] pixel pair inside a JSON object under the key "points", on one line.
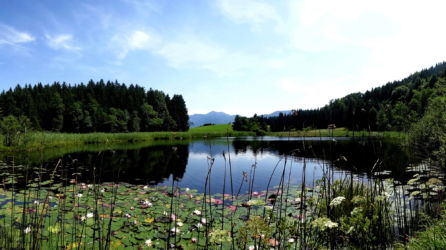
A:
{"points": [[94, 107], [394, 106]]}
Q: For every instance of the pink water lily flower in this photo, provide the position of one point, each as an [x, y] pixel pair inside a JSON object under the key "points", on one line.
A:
{"points": [[232, 208]]}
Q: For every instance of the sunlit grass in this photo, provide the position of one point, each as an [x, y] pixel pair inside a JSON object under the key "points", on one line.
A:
{"points": [[40, 140], [217, 128], [339, 132]]}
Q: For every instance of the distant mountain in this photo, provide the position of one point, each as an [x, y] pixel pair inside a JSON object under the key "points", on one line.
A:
{"points": [[211, 117], [276, 113]]}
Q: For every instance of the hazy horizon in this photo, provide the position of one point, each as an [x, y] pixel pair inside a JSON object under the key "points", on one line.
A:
{"points": [[237, 57]]}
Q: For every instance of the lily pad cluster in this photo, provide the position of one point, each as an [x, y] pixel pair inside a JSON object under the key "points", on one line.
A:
{"points": [[121, 215]]}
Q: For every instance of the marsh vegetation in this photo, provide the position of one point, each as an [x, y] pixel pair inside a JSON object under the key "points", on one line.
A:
{"points": [[223, 193]]}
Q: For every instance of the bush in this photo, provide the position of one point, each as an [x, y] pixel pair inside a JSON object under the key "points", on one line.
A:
{"points": [[428, 135], [434, 237], [13, 129]]}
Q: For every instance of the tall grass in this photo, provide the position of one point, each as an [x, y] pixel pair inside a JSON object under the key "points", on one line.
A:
{"points": [[432, 237], [340, 132], [41, 140]]}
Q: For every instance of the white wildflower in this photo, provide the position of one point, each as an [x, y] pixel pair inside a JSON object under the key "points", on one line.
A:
{"points": [[187, 189], [36, 202], [291, 240], [331, 224], [179, 223], [89, 215], [175, 230], [79, 195], [83, 218], [203, 220], [199, 225], [148, 243], [337, 201], [147, 203], [197, 212], [146, 187], [27, 230], [323, 223]]}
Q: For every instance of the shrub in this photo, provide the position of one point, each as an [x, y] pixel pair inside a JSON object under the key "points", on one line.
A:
{"points": [[428, 136]]}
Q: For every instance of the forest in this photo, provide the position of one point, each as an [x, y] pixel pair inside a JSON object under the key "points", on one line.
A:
{"points": [[94, 107], [394, 106]]}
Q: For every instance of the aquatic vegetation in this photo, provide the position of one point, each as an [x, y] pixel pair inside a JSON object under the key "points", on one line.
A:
{"points": [[119, 214], [112, 214]]}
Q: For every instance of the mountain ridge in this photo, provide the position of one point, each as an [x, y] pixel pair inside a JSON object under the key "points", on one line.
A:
{"points": [[219, 117]]}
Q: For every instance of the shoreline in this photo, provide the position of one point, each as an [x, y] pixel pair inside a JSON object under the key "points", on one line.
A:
{"points": [[36, 141]]}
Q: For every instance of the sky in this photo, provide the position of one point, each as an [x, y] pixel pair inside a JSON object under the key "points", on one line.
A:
{"points": [[236, 56]]}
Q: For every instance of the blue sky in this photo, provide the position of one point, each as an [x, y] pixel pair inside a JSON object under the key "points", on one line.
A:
{"points": [[237, 56]]}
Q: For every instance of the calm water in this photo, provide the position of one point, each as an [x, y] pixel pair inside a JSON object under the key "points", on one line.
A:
{"points": [[257, 158]]}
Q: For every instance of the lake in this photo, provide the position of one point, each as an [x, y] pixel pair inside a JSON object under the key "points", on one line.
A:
{"points": [[252, 163], [193, 194]]}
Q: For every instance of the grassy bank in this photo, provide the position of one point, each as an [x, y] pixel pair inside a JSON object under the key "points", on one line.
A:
{"points": [[339, 132], [40, 140]]}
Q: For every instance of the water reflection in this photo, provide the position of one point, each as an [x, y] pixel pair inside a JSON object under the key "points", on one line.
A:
{"points": [[234, 162]]}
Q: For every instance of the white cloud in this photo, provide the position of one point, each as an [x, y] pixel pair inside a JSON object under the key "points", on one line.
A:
{"points": [[190, 50], [248, 11], [136, 40], [11, 36], [62, 42], [184, 52], [193, 53], [396, 38], [139, 40], [418, 43]]}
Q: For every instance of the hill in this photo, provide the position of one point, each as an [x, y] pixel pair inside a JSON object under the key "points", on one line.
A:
{"points": [[393, 106], [277, 113]]}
